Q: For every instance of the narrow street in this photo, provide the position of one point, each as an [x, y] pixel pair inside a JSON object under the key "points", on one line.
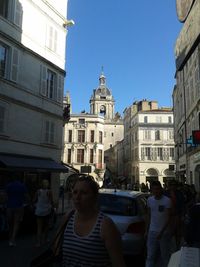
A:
{"points": [[25, 250]]}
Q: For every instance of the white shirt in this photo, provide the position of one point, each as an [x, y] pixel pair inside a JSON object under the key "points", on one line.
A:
{"points": [[159, 212], [43, 205]]}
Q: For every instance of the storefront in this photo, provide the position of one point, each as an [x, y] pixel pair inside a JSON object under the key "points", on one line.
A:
{"points": [[31, 170]]}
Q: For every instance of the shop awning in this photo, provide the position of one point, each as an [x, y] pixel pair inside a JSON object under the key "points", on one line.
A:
{"points": [[29, 163]]}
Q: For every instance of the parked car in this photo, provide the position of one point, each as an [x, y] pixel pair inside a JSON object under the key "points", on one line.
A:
{"points": [[128, 211]]}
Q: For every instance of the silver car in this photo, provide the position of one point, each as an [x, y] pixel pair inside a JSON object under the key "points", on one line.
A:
{"points": [[127, 209]]}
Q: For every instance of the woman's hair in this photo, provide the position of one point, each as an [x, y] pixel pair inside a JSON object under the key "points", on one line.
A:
{"points": [[90, 181]]}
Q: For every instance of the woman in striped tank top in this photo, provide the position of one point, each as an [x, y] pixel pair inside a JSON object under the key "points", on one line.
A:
{"points": [[90, 238]]}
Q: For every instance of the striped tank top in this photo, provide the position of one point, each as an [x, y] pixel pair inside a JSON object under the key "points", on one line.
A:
{"points": [[84, 251]]}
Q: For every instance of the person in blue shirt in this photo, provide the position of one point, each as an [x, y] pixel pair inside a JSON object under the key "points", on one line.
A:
{"points": [[16, 194]]}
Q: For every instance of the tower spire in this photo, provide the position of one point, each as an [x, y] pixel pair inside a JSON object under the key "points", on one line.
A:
{"points": [[102, 78]]}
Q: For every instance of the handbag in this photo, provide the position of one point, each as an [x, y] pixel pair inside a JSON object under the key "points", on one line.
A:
{"points": [[52, 255]]}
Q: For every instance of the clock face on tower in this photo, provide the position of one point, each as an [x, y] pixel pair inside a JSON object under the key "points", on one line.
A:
{"points": [[102, 109], [183, 8]]}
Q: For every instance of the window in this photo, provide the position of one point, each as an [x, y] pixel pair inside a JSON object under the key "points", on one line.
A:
{"points": [[51, 84], [157, 135], [171, 134], [4, 8], [70, 136], [112, 134], [169, 119], [100, 156], [81, 136], [52, 38], [2, 119], [100, 137], [80, 155], [3, 57], [49, 132], [147, 134], [110, 145], [91, 155], [145, 119], [148, 152], [92, 136], [158, 119], [171, 152], [117, 205], [69, 155], [81, 121], [160, 153], [51, 78]]}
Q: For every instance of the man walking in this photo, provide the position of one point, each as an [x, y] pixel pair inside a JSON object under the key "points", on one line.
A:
{"points": [[159, 236]]}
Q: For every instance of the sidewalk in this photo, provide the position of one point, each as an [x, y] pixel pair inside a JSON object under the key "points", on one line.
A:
{"points": [[25, 250]]}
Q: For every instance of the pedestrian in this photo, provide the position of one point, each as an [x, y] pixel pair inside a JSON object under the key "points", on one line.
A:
{"points": [[178, 210], [158, 226], [43, 207], [90, 237], [192, 229], [16, 196]]}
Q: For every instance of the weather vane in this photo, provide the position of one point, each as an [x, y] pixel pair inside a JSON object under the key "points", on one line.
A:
{"points": [[102, 70]]}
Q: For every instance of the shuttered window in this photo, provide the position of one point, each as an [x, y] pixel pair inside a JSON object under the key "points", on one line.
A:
{"points": [[2, 119], [15, 64], [18, 13], [52, 38], [51, 84], [49, 134], [60, 88]]}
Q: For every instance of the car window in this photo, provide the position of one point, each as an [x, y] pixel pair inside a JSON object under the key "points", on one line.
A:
{"points": [[117, 205]]}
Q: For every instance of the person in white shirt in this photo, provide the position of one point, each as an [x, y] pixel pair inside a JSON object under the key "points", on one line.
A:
{"points": [[158, 226], [44, 205]]}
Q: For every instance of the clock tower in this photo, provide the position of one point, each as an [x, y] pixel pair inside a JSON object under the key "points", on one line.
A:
{"points": [[102, 102]]}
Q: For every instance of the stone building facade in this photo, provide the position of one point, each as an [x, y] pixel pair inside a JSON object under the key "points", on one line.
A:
{"points": [[186, 97], [32, 71], [147, 151], [89, 135]]}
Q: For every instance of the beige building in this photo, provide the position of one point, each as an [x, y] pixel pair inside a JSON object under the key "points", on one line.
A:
{"points": [[186, 96], [88, 135], [32, 48], [147, 151]]}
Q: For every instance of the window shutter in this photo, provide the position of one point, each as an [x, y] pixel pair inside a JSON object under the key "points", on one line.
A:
{"points": [[43, 80], [15, 64], [46, 134], [161, 134], [18, 13], [55, 41], [60, 88], [142, 153], [52, 133], [50, 36]]}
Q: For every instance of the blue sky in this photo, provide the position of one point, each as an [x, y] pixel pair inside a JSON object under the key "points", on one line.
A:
{"points": [[132, 39]]}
